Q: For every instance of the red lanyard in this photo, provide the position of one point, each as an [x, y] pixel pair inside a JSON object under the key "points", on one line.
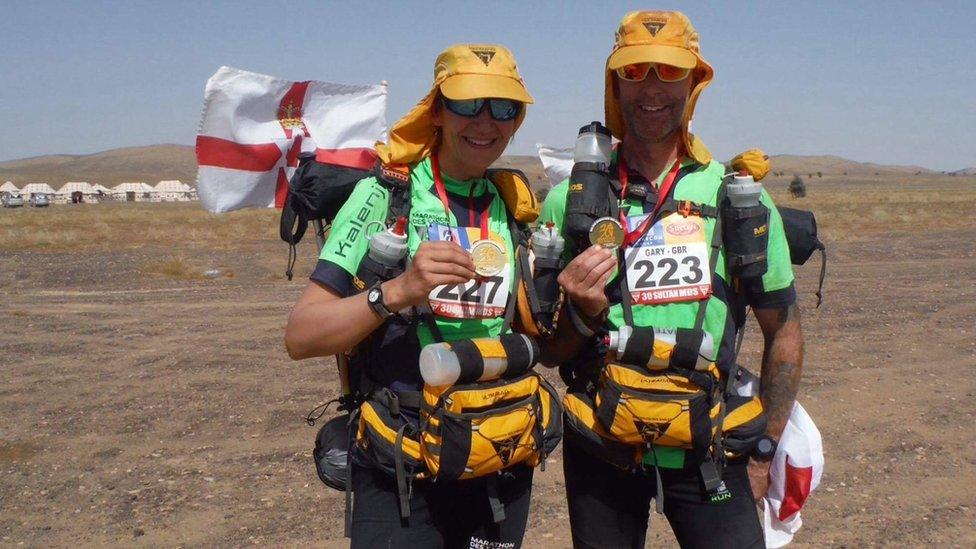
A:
{"points": [[442, 194], [633, 236]]}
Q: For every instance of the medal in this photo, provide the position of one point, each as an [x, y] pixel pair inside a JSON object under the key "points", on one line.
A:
{"points": [[606, 232], [488, 257]]}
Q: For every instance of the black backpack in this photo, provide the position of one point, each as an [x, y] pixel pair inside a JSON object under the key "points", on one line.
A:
{"points": [[318, 190], [800, 227]]}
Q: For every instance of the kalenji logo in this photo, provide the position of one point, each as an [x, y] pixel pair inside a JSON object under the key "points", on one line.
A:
{"points": [[683, 228]]}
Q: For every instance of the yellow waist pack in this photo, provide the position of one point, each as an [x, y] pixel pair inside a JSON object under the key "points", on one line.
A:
{"points": [[475, 429], [661, 387]]}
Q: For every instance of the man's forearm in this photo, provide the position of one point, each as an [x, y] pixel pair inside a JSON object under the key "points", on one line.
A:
{"points": [[781, 367]]}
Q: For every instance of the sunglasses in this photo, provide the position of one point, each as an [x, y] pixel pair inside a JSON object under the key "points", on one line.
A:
{"points": [[637, 72], [501, 110]]}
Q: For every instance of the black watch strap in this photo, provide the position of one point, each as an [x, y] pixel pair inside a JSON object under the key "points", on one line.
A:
{"points": [[374, 297]]}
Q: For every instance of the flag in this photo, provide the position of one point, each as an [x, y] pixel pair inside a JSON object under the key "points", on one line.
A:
{"points": [[556, 162], [254, 127], [794, 473]]}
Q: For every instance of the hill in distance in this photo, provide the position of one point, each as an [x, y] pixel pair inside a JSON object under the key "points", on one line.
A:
{"points": [[155, 162], [148, 164]]}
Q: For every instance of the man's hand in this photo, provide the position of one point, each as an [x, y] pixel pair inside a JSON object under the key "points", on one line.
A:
{"points": [[585, 277], [759, 478], [434, 264]]}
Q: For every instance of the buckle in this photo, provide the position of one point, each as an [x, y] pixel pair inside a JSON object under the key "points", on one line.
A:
{"points": [[687, 207]]}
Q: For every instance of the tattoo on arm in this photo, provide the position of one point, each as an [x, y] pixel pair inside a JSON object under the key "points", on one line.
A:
{"points": [[782, 365]]}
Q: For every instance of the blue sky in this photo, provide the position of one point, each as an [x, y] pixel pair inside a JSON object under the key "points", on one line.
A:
{"points": [[888, 82]]}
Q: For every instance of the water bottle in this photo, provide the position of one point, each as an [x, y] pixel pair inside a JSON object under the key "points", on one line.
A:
{"points": [[745, 227], [483, 359], [389, 247], [659, 354], [589, 182], [547, 245]]}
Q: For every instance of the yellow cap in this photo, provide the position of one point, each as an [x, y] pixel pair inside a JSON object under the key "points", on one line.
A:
{"points": [[463, 71], [658, 37]]}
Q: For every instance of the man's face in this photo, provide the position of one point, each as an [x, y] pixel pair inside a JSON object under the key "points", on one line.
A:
{"points": [[652, 109]]}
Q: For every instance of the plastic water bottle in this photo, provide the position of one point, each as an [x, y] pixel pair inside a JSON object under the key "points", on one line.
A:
{"points": [[617, 342], [589, 182], [745, 227], [744, 191], [593, 144], [440, 365], [390, 246], [547, 245]]}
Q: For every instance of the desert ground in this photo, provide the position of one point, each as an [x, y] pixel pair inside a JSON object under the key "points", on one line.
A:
{"points": [[144, 403]]}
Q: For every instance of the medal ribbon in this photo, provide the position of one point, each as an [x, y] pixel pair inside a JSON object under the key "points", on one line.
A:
{"points": [[442, 194], [633, 236]]}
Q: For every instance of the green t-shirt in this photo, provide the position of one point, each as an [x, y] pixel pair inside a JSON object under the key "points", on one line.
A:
{"points": [[726, 308], [366, 211]]}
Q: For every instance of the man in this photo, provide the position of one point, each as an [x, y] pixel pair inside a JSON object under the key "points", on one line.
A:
{"points": [[654, 77]]}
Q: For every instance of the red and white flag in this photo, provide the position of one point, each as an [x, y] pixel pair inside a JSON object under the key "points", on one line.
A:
{"points": [[794, 473], [254, 126]]}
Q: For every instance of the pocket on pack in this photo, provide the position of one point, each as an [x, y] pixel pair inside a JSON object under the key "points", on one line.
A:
{"points": [[589, 434], [744, 423], [639, 408], [389, 441], [475, 429]]}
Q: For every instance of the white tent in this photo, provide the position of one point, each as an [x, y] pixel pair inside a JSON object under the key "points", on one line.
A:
{"points": [[8, 186], [173, 191], [32, 188], [141, 192], [63, 195]]}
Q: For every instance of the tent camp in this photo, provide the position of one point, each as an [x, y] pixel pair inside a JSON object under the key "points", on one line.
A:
{"points": [[32, 188], [173, 191], [134, 192], [7, 187], [63, 195]]}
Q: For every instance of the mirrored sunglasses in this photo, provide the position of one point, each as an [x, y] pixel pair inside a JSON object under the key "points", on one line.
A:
{"points": [[501, 110], [637, 72]]}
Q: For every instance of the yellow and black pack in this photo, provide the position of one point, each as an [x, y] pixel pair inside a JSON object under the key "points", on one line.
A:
{"points": [[390, 440], [475, 429], [743, 424]]}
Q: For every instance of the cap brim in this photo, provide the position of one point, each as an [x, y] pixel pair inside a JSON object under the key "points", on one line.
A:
{"points": [[474, 86], [669, 55]]}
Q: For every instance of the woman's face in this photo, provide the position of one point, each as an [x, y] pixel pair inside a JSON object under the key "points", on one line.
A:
{"points": [[468, 146]]}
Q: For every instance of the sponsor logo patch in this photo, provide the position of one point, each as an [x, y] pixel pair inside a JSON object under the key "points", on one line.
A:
{"points": [[485, 54]]}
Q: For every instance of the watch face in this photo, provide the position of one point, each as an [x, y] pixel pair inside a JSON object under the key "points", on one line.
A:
{"points": [[373, 296], [765, 446]]}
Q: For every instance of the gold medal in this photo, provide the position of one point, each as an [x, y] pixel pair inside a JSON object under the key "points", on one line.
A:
{"points": [[488, 257], [607, 232]]}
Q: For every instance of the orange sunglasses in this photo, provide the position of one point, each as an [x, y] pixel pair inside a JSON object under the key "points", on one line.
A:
{"points": [[637, 72]]}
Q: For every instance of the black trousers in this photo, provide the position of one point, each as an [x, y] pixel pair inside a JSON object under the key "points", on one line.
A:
{"points": [[609, 508], [442, 514]]}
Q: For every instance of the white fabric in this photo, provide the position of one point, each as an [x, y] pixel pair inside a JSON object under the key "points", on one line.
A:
{"points": [[800, 446], [244, 107], [556, 162]]}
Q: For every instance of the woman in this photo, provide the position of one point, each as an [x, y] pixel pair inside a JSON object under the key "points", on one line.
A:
{"points": [[444, 145]]}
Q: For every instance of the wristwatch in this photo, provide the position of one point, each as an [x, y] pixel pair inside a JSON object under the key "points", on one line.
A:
{"points": [[765, 447], [374, 297]]}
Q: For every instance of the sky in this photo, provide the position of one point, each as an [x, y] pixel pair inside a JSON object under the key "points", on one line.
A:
{"points": [[888, 82]]}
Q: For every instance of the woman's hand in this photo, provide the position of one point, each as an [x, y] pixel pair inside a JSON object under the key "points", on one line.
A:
{"points": [[585, 277], [435, 263]]}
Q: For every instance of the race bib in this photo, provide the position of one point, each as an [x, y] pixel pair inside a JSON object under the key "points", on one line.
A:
{"points": [[670, 262], [484, 297]]}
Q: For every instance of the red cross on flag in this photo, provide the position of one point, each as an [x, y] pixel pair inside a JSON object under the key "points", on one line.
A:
{"points": [[254, 127]]}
